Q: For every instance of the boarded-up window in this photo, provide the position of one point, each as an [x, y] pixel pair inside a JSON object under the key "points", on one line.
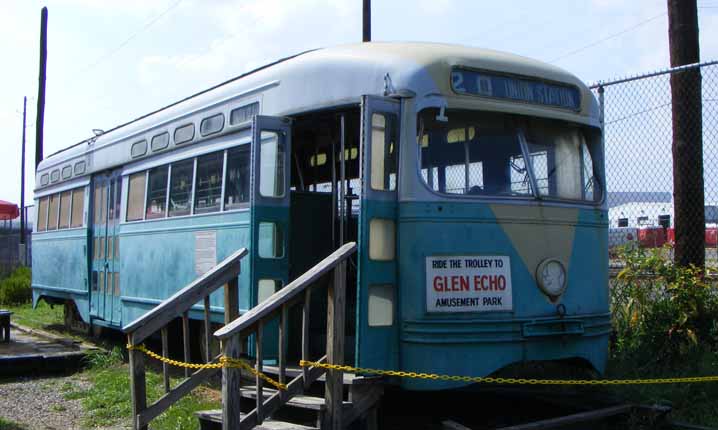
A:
{"points": [[100, 203], [136, 197], [78, 207], [54, 212], [42, 214], [65, 209]]}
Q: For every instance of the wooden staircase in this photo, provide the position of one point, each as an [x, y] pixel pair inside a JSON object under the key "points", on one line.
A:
{"points": [[314, 397]]}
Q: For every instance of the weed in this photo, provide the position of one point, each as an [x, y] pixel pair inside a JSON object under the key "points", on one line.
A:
{"points": [[15, 289], [10, 425], [58, 408], [664, 321]]}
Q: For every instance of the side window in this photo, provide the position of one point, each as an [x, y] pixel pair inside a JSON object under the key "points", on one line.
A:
{"points": [[54, 212], [99, 203], [383, 151], [236, 183], [181, 188], [208, 189], [271, 169], [78, 207], [136, 196], [42, 214], [65, 209], [157, 192]]}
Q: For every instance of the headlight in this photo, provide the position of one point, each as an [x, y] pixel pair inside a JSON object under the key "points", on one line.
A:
{"points": [[551, 277]]}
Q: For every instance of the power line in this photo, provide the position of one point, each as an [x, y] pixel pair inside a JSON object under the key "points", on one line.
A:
{"points": [[612, 36], [144, 28]]}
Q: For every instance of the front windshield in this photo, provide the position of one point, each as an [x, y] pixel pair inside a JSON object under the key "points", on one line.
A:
{"points": [[481, 153]]}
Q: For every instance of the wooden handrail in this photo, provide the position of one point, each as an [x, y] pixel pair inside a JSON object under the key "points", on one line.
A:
{"points": [[182, 300], [286, 294], [226, 274]]}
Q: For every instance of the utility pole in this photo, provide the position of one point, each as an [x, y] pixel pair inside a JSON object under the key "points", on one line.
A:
{"points": [[23, 254], [688, 192], [40, 122], [366, 21]]}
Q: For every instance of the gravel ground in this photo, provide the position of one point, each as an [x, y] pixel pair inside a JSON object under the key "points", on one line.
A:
{"points": [[40, 404]]}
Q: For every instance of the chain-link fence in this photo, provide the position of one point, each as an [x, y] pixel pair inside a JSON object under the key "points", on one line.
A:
{"points": [[12, 254], [639, 133]]}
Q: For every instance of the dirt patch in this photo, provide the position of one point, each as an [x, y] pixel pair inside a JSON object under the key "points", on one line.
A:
{"points": [[45, 403]]}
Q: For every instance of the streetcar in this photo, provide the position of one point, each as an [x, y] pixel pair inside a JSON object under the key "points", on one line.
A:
{"points": [[471, 180]]}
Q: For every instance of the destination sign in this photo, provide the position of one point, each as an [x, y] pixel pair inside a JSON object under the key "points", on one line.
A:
{"points": [[516, 89], [468, 283]]}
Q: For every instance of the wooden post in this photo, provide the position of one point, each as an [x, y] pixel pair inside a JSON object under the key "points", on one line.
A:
{"points": [[258, 365], [305, 334], [366, 21], [207, 328], [40, 121], [23, 254], [282, 361], [231, 301], [232, 348], [335, 348], [688, 191], [165, 366], [137, 384], [231, 414], [185, 340]]}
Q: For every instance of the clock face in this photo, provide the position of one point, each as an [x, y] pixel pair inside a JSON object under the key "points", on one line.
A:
{"points": [[553, 278]]}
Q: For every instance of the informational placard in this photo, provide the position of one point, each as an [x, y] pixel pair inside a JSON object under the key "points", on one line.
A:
{"points": [[205, 251], [468, 283]]}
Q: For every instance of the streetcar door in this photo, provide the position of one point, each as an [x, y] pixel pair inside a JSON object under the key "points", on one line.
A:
{"points": [[269, 229], [105, 276], [377, 333]]}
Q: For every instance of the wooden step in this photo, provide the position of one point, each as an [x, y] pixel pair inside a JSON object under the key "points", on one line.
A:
{"points": [[298, 401], [212, 419]]}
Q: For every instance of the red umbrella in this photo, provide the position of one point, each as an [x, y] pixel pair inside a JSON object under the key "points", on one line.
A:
{"points": [[8, 211]]}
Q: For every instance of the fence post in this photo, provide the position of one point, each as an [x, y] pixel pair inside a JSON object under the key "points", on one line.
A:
{"points": [[231, 414], [137, 384], [335, 347]]}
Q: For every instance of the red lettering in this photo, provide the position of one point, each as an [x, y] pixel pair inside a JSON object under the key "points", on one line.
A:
{"points": [[477, 283], [502, 282], [438, 284], [493, 283], [464, 283], [454, 283], [483, 282]]}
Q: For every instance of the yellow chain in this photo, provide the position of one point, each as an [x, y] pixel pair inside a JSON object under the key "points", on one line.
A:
{"points": [[492, 380], [223, 362], [237, 363]]}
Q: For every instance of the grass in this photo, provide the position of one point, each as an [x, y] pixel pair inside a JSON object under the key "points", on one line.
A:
{"points": [[693, 403], [107, 401], [10, 425], [42, 317]]}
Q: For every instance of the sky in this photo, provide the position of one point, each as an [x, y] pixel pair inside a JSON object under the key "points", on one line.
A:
{"points": [[113, 61]]}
